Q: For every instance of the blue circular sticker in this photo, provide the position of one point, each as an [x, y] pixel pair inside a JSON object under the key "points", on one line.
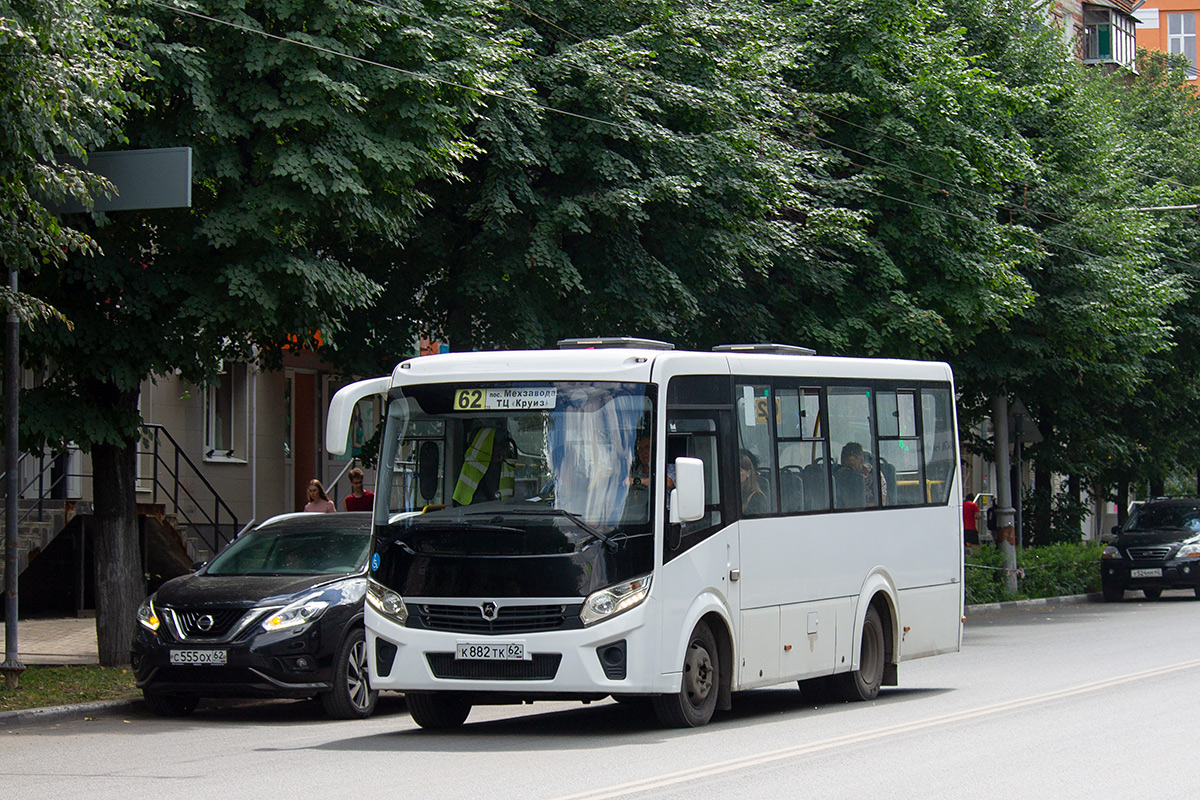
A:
{"points": [[374, 562]]}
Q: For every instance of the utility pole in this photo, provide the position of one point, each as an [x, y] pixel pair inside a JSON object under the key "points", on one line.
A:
{"points": [[12, 666], [1005, 533]]}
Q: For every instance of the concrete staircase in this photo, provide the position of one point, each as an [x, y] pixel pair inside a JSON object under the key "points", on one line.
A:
{"points": [[37, 528]]}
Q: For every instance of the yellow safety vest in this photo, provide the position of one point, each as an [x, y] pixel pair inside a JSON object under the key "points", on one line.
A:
{"points": [[475, 465]]}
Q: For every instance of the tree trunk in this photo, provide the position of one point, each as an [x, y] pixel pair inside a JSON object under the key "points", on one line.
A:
{"points": [[120, 584]]}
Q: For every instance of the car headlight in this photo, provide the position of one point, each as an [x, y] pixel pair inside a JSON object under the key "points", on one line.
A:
{"points": [[302, 611], [1189, 550], [386, 602], [615, 599], [1111, 552], [147, 616]]}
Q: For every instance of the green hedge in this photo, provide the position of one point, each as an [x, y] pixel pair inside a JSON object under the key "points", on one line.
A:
{"points": [[1051, 571]]}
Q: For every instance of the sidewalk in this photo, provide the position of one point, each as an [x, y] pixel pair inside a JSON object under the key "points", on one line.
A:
{"points": [[65, 640]]}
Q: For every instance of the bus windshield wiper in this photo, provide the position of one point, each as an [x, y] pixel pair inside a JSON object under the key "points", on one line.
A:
{"points": [[578, 520], [493, 525]]}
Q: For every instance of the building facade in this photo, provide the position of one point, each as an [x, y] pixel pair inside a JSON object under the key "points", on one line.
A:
{"points": [[1170, 26]]}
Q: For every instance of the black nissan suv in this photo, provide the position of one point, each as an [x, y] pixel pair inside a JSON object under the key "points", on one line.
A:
{"points": [[277, 613], [1157, 548]]}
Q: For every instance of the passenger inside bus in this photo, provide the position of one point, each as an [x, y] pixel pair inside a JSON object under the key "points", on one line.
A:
{"points": [[641, 475], [856, 484]]}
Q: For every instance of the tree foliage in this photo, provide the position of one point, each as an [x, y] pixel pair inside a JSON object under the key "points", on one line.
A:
{"points": [[64, 89], [312, 126]]}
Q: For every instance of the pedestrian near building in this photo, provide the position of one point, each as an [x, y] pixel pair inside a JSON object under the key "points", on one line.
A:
{"points": [[318, 501], [358, 499], [970, 522]]}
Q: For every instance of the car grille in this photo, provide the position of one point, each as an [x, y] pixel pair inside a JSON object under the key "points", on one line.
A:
{"points": [[206, 623], [509, 619], [1155, 553], [540, 667]]}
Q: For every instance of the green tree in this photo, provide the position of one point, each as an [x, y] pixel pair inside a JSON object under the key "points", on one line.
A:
{"points": [[63, 89], [631, 180], [312, 126], [1158, 431]]}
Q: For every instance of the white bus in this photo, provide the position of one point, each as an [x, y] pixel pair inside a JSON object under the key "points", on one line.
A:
{"points": [[797, 518]]}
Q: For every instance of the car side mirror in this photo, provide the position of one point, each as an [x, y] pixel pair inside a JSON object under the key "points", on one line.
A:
{"points": [[687, 498]]}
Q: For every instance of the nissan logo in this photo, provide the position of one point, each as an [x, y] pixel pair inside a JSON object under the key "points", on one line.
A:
{"points": [[205, 623], [489, 611]]}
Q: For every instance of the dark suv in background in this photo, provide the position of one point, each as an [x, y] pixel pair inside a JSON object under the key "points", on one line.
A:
{"points": [[278, 613], [1157, 548]]}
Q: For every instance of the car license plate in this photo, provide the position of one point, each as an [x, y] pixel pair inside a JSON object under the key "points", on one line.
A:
{"points": [[1146, 573], [192, 657], [490, 651]]}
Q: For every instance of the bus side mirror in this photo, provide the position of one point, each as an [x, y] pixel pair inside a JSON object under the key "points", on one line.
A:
{"points": [[687, 498], [341, 411]]}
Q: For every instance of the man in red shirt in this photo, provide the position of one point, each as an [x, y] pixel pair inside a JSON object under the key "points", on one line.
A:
{"points": [[970, 522], [358, 500]]}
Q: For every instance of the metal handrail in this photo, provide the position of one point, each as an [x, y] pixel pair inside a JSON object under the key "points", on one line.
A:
{"points": [[172, 473], [331, 489], [219, 539]]}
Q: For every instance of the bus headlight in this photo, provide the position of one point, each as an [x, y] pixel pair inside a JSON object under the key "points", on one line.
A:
{"points": [[388, 603], [615, 599]]}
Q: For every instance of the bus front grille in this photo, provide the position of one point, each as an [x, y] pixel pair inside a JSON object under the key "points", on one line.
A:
{"points": [[507, 619], [540, 667]]}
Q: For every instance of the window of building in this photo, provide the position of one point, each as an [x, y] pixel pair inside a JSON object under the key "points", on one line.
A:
{"points": [[226, 414], [1108, 36], [1181, 38]]}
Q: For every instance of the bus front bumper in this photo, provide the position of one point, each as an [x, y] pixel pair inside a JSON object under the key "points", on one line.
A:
{"points": [[614, 656]]}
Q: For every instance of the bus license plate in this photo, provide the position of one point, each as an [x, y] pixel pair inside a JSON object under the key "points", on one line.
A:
{"points": [[490, 651], [193, 657], [1146, 573]]}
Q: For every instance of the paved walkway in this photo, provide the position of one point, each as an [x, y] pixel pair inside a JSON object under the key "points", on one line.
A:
{"points": [[54, 641]]}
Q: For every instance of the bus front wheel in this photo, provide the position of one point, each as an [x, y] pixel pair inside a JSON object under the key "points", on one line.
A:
{"points": [[696, 700], [864, 682], [438, 711]]}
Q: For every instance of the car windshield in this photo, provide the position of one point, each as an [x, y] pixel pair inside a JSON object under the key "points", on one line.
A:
{"points": [[1164, 516], [519, 450], [286, 550]]}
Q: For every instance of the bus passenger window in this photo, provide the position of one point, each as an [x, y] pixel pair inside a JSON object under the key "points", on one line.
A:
{"points": [[803, 452], [899, 447], [856, 482], [756, 465]]}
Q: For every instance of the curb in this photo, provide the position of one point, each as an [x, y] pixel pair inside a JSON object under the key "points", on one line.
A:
{"points": [[1067, 600], [78, 711]]}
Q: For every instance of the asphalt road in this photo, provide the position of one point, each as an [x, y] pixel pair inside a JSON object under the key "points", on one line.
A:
{"points": [[1092, 701]]}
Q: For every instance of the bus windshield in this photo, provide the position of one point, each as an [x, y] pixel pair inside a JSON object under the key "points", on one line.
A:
{"points": [[495, 454]]}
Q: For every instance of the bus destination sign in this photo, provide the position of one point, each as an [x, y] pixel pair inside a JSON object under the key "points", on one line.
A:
{"points": [[523, 399]]}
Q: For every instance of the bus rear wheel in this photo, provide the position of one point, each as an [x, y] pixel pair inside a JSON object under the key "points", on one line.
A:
{"points": [[696, 700], [438, 711], [864, 682]]}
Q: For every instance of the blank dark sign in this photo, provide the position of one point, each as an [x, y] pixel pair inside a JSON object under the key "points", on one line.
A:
{"points": [[145, 179]]}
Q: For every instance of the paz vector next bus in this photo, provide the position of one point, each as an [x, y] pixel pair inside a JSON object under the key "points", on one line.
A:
{"points": [[616, 517]]}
